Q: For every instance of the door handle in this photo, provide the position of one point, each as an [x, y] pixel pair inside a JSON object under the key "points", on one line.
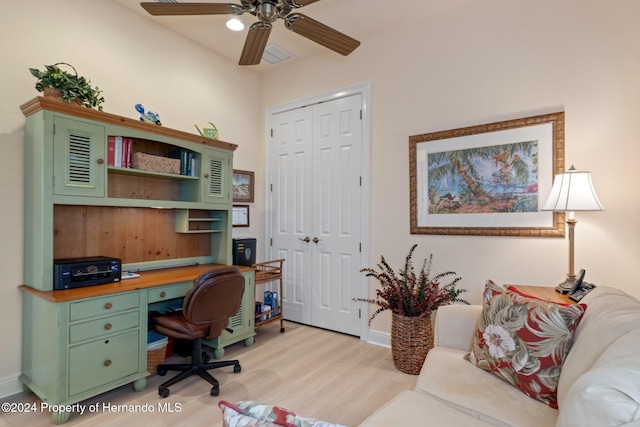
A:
{"points": [[306, 239], [316, 240]]}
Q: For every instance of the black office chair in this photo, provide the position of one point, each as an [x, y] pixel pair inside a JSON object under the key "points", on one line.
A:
{"points": [[206, 309]]}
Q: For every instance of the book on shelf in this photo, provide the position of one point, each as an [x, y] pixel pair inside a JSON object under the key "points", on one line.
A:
{"points": [[187, 161], [119, 151], [127, 144], [117, 162], [111, 150]]}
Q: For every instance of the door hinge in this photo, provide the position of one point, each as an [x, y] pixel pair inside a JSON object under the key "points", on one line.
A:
{"points": [[271, 133], [360, 247], [271, 187], [271, 242], [361, 114], [360, 181], [359, 313]]}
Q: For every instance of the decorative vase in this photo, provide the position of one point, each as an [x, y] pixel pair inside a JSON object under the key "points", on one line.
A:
{"points": [[411, 340]]}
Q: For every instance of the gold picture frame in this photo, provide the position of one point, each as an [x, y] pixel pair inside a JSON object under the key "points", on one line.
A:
{"points": [[461, 200]]}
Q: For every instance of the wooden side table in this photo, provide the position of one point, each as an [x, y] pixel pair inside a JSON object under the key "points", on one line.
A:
{"points": [[546, 293]]}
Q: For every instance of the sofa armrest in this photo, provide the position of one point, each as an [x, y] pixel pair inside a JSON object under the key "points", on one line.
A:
{"points": [[455, 325]]}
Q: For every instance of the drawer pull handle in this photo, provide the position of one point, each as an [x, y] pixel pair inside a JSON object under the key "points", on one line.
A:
{"points": [[107, 362], [108, 326], [100, 161], [163, 294], [108, 306]]}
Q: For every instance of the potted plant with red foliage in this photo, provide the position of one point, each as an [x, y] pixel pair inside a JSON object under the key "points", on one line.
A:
{"points": [[411, 298]]}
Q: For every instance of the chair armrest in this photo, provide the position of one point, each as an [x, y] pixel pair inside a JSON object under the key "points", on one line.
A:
{"points": [[455, 325]]}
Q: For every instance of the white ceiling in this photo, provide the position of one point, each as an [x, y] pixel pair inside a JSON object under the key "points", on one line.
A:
{"points": [[359, 19]]}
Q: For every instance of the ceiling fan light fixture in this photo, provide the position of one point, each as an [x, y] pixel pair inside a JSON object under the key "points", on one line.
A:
{"points": [[234, 24]]}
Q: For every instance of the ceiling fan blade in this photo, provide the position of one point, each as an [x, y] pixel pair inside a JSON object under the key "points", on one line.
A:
{"points": [[163, 9], [255, 43], [321, 34], [300, 3]]}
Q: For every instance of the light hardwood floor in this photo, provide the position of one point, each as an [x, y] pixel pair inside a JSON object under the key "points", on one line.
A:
{"points": [[316, 373]]}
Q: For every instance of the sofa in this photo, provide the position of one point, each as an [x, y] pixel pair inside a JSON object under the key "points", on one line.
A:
{"points": [[598, 383]]}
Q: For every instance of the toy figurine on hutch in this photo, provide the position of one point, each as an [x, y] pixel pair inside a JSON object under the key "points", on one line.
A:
{"points": [[149, 116]]}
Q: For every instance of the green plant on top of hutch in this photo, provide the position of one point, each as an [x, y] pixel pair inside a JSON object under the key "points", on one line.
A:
{"points": [[70, 86]]}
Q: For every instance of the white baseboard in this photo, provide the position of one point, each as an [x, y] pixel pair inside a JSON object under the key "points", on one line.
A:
{"points": [[382, 339], [10, 385]]}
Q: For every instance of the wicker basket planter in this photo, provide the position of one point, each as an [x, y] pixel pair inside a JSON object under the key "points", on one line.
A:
{"points": [[411, 340]]}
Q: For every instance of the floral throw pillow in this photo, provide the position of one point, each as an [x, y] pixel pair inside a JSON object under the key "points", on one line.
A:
{"points": [[524, 340], [253, 414]]}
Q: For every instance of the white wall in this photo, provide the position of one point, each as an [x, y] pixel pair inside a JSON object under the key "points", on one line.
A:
{"points": [[132, 61], [494, 60]]}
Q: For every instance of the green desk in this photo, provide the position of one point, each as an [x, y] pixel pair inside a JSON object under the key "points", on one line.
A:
{"points": [[79, 343]]}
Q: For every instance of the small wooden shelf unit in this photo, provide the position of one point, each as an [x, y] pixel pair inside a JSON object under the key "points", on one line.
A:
{"points": [[270, 271]]}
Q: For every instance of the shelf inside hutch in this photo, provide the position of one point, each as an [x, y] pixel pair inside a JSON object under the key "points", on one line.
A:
{"points": [[133, 234], [200, 221]]}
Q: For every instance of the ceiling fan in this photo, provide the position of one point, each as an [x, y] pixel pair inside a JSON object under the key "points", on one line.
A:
{"points": [[267, 11]]}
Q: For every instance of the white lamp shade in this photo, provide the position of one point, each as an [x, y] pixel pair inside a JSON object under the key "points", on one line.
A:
{"points": [[572, 191]]}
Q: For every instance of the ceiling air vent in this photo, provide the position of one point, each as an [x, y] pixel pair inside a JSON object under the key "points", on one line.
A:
{"points": [[274, 54]]}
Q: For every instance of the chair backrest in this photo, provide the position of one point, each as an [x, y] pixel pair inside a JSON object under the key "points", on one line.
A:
{"points": [[215, 297]]}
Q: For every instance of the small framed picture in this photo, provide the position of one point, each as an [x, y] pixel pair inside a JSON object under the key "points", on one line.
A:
{"points": [[240, 216], [243, 186]]}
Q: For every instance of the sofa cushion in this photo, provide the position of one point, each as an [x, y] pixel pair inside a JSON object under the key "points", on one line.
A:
{"points": [[611, 314], [609, 394], [447, 377], [524, 340], [412, 408]]}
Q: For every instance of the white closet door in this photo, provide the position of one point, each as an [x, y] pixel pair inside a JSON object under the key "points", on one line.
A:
{"points": [[337, 141], [291, 203], [316, 159]]}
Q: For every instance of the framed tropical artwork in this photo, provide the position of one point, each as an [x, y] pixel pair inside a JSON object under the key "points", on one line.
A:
{"points": [[487, 180]]}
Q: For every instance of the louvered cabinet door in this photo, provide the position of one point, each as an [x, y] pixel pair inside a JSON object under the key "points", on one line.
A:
{"points": [[79, 151], [216, 176]]}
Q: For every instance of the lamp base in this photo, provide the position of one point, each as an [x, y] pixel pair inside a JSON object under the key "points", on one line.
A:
{"points": [[565, 287]]}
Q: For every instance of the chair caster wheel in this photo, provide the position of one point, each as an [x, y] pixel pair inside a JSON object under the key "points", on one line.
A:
{"points": [[205, 357], [163, 392], [215, 390], [282, 330], [237, 368], [162, 372]]}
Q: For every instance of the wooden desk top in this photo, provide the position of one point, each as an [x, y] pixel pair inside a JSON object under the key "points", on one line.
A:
{"points": [[147, 279], [545, 293]]}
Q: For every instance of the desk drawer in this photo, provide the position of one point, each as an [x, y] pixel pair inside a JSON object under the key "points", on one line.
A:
{"points": [[100, 362], [164, 293], [106, 325], [103, 305]]}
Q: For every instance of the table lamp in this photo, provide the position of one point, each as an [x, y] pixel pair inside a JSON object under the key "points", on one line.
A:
{"points": [[572, 191]]}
